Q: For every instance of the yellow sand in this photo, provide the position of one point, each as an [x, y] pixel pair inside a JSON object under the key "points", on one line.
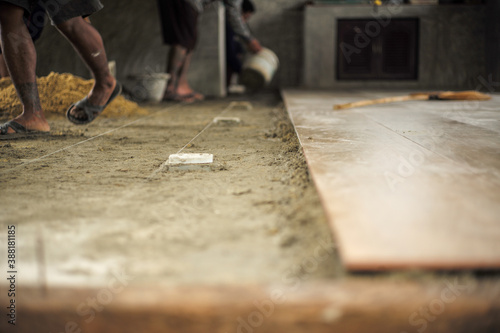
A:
{"points": [[57, 93]]}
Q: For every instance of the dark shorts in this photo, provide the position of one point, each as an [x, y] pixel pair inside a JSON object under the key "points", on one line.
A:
{"points": [[60, 11], [35, 22], [179, 23]]}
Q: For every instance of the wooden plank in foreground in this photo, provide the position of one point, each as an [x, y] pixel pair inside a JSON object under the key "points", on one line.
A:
{"points": [[405, 185], [378, 305]]}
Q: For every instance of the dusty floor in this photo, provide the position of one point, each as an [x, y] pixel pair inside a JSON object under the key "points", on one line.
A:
{"points": [[93, 205], [89, 201]]}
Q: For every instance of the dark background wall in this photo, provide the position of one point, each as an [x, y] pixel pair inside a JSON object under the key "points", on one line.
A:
{"points": [[279, 25], [493, 41], [132, 36], [451, 45]]}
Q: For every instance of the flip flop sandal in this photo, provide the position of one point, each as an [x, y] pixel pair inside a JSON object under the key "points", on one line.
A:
{"points": [[194, 96], [19, 130], [92, 111], [198, 96], [179, 98]]}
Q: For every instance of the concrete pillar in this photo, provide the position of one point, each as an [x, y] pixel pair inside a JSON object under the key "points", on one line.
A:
{"points": [[208, 68]]}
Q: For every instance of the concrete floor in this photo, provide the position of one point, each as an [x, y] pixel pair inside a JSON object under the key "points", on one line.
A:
{"points": [[109, 241], [110, 203], [412, 184]]}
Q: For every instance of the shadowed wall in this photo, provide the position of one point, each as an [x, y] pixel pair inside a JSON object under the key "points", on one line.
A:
{"points": [[461, 45]]}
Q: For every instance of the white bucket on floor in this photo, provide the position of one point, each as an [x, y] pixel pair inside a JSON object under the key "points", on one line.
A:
{"points": [[153, 84], [258, 69]]}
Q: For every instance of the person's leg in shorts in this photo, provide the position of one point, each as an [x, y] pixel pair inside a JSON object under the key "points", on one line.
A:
{"points": [[89, 45], [178, 62], [4, 71], [179, 27], [20, 56], [35, 23]]}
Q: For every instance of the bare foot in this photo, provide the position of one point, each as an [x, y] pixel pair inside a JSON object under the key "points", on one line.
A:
{"points": [[174, 95], [190, 93], [98, 96]]}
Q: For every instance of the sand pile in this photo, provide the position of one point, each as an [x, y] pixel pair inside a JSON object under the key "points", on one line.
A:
{"points": [[57, 93]]}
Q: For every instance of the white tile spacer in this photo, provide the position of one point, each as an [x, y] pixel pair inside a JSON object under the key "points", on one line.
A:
{"points": [[245, 105], [175, 159], [227, 120]]}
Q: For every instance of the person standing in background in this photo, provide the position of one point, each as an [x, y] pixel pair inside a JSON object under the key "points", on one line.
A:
{"points": [[179, 20], [234, 49]]}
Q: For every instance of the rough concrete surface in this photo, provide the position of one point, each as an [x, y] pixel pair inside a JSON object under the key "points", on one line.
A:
{"points": [[110, 240], [88, 201]]}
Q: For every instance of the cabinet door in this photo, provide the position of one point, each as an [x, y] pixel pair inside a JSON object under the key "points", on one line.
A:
{"points": [[398, 50], [355, 51], [367, 50]]}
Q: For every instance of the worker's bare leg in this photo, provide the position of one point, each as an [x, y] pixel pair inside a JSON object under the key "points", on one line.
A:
{"points": [[4, 71], [20, 56], [179, 59], [183, 87], [175, 60], [88, 43]]}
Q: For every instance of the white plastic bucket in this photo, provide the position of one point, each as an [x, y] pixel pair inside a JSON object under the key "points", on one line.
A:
{"points": [[258, 69], [153, 84]]}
